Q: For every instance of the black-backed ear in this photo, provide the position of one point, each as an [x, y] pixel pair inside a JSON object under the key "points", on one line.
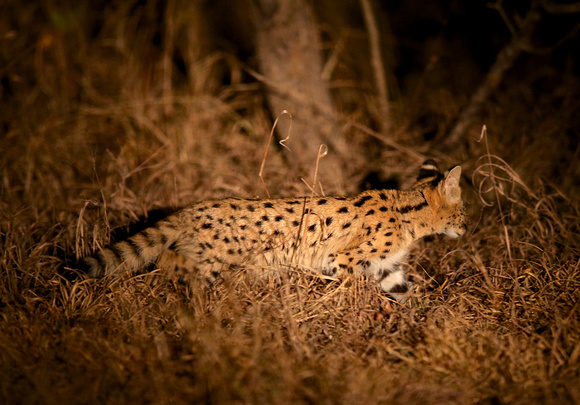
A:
{"points": [[429, 168], [450, 186]]}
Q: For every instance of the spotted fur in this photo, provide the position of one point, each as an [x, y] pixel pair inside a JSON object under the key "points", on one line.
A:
{"points": [[370, 233]]}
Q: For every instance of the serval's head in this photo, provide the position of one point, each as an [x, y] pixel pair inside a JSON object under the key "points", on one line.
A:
{"points": [[443, 193]]}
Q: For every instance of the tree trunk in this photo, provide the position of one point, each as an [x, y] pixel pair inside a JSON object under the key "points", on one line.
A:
{"points": [[289, 56]]}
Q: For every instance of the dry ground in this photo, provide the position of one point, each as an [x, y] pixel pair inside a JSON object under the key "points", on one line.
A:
{"points": [[89, 144]]}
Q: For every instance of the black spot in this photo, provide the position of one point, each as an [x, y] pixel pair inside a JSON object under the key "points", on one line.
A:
{"points": [[362, 201], [234, 207], [425, 174], [207, 226], [201, 209], [236, 239], [216, 205], [346, 225], [150, 238], [251, 208], [231, 251], [265, 218], [329, 272], [118, 252], [388, 234], [268, 205], [292, 202], [295, 223], [392, 220], [382, 196], [383, 209], [135, 247], [209, 217], [379, 226], [382, 274], [370, 212], [435, 182], [290, 210], [258, 223], [328, 221], [408, 208], [278, 218], [220, 220], [389, 243], [226, 239], [374, 250], [322, 202], [240, 251], [343, 210], [242, 227], [383, 256], [342, 266], [399, 288], [216, 236], [386, 251], [312, 228]]}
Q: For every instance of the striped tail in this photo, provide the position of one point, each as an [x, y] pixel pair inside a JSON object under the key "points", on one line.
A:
{"points": [[133, 253]]}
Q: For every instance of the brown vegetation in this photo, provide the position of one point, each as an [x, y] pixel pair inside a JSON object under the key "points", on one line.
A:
{"points": [[96, 134]]}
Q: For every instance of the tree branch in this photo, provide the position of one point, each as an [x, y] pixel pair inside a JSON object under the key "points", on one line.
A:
{"points": [[504, 61]]}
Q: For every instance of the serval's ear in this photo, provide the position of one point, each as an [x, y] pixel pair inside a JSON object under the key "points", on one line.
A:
{"points": [[429, 169], [450, 189]]}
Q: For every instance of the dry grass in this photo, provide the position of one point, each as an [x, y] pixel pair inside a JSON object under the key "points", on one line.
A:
{"points": [[89, 145]]}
